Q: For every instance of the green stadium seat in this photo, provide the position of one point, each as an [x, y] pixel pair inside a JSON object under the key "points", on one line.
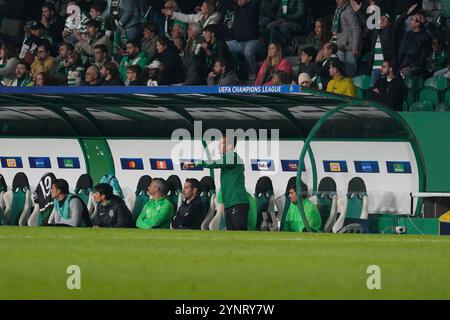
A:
{"points": [[422, 106], [265, 204], [84, 189], [443, 107], [43, 203], [18, 201], [412, 85], [439, 83], [111, 179], [362, 83], [208, 198], [326, 201], [354, 209], [447, 95], [175, 189], [429, 94], [136, 201]]}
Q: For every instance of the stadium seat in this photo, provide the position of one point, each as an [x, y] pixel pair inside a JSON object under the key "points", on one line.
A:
{"points": [[175, 189], [18, 201], [111, 179], [326, 201], [208, 198], [84, 189], [217, 221], [362, 83], [136, 201], [422, 106], [353, 209], [447, 95], [413, 85], [443, 107], [265, 204], [439, 83], [3, 189], [43, 202], [429, 94]]}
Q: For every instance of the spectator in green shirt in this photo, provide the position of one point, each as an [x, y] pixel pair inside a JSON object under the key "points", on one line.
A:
{"points": [[158, 211], [134, 56], [293, 220], [232, 181]]}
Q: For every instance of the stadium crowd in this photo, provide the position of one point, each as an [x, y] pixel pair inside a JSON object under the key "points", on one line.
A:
{"points": [[225, 42]]}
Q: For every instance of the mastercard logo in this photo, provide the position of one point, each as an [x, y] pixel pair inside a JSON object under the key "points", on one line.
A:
{"points": [[132, 165]]}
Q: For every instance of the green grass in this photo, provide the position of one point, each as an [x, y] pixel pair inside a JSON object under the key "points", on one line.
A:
{"points": [[135, 264]]}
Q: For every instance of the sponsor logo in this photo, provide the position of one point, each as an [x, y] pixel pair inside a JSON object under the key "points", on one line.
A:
{"points": [[161, 164], [68, 162], [11, 162], [262, 165], [132, 164]]}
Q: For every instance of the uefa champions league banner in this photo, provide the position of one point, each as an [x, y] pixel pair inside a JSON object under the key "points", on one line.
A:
{"points": [[154, 90]]}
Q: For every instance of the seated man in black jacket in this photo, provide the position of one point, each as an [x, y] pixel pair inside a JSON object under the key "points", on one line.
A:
{"points": [[389, 89], [191, 212], [111, 210]]}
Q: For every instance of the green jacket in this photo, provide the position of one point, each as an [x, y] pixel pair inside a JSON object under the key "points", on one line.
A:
{"points": [[294, 222], [232, 179], [296, 10], [156, 214], [141, 60]]}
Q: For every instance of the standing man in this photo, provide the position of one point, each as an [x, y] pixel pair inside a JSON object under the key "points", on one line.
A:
{"points": [[111, 209], [347, 30], [158, 211], [191, 212], [232, 181]]}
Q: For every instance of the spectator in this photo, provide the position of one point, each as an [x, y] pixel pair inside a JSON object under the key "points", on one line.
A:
{"points": [[53, 23], [23, 78], [36, 36], [293, 220], [148, 42], [340, 83], [178, 36], [43, 62], [43, 79], [169, 5], [308, 62], [321, 35], [191, 56], [347, 29], [438, 59], [389, 90], [127, 16], [329, 53], [94, 36], [74, 70], [61, 61], [213, 47], [68, 209], [92, 77], [304, 80], [153, 70], [76, 21], [96, 12], [133, 76], [222, 74], [206, 16], [245, 33], [415, 47], [100, 55], [134, 56], [158, 211], [8, 64], [267, 12], [191, 212], [171, 69], [111, 210], [290, 13], [274, 62], [279, 78], [110, 75]]}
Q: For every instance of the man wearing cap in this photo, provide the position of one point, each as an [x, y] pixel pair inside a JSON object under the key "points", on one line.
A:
{"points": [[94, 37], [153, 72], [31, 42], [340, 83]]}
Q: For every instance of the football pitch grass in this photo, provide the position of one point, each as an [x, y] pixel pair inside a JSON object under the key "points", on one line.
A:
{"points": [[168, 264]]}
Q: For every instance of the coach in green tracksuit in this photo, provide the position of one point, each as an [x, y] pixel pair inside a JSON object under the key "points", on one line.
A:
{"points": [[157, 213], [232, 182]]}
